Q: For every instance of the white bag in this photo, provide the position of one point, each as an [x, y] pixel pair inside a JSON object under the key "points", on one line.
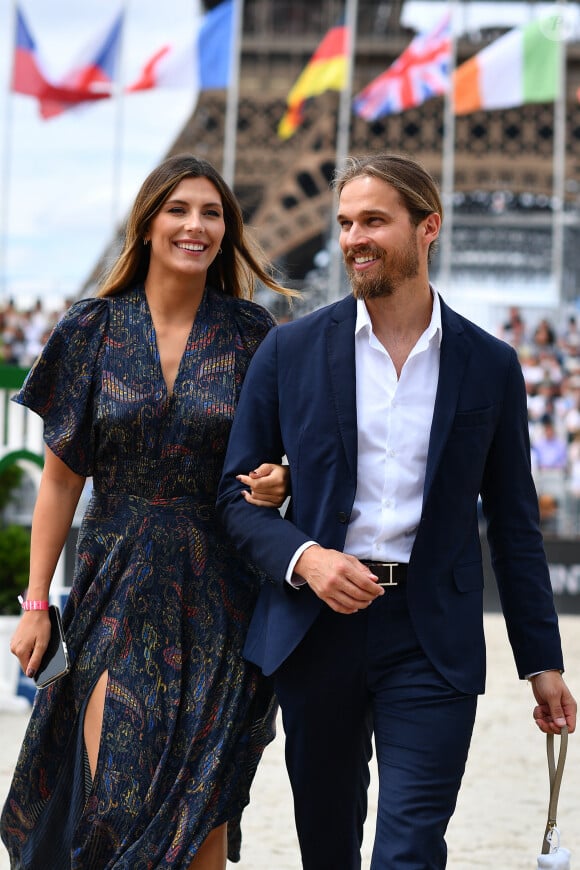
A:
{"points": [[558, 860], [554, 856]]}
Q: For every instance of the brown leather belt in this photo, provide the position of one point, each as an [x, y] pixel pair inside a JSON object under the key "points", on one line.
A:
{"points": [[389, 573]]}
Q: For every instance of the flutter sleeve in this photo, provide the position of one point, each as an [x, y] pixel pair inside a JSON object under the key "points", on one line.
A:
{"points": [[62, 383], [253, 323]]}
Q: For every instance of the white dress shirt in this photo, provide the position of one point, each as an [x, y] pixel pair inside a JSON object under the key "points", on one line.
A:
{"points": [[394, 424]]}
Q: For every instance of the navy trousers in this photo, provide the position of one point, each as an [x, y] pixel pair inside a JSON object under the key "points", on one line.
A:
{"points": [[353, 676]]}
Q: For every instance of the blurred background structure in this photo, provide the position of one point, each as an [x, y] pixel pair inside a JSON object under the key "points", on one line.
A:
{"points": [[503, 196], [277, 93], [510, 184]]}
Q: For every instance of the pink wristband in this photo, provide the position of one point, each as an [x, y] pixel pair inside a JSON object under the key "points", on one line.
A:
{"points": [[32, 605]]}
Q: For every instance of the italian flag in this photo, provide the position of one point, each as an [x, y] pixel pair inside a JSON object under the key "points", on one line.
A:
{"points": [[520, 67]]}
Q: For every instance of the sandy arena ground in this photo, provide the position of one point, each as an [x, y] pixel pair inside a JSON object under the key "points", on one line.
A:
{"points": [[503, 803]]}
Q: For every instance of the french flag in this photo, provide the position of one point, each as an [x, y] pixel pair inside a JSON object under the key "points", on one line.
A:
{"points": [[203, 64]]}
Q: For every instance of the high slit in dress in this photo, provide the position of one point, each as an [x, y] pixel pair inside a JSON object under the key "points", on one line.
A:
{"points": [[160, 598]]}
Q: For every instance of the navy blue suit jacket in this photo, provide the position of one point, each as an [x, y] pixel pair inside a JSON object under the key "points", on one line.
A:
{"points": [[299, 400]]}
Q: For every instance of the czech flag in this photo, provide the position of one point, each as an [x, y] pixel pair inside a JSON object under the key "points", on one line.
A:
{"points": [[91, 78], [27, 74], [326, 71], [202, 64]]}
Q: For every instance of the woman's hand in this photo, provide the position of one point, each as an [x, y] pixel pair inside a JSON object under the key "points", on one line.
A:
{"points": [[269, 485], [30, 640]]}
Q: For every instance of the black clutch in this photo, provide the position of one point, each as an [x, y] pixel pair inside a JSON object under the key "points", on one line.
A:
{"points": [[55, 661]]}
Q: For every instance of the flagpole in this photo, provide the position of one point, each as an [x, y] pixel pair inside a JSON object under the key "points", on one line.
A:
{"points": [[559, 163], [342, 144], [6, 175], [119, 125], [5, 204], [233, 94], [448, 161]]}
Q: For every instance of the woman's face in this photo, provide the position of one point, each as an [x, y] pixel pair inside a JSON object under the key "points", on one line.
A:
{"points": [[186, 233]]}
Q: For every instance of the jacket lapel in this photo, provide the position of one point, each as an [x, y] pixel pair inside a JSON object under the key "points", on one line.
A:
{"points": [[454, 355], [455, 352], [342, 375]]}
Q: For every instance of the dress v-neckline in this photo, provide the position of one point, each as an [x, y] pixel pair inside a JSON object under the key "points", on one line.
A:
{"points": [[169, 394]]}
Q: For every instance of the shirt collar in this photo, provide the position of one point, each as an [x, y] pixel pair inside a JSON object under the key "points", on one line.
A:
{"points": [[363, 320]]}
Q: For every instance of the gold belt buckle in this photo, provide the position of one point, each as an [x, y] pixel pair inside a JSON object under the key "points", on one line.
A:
{"points": [[390, 581]]}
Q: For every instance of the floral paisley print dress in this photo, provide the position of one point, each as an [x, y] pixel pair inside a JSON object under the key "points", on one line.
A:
{"points": [[160, 598]]}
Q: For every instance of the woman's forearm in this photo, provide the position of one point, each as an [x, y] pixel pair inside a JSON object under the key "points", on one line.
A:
{"points": [[58, 496]]}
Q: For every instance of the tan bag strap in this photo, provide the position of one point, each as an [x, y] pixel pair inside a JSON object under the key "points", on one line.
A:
{"points": [[555, 772]]}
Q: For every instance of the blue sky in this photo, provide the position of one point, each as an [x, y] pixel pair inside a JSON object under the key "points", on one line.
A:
{"points": [[65, 180]]}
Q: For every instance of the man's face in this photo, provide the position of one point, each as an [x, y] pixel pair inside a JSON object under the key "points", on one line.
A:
{"points": [[377, 239]]}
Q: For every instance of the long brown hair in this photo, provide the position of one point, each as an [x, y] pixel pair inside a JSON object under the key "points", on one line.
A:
{"points": [[235, 271]]}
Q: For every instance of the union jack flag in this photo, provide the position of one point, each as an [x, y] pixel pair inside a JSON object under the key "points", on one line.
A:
{"points": [[422, 71]]}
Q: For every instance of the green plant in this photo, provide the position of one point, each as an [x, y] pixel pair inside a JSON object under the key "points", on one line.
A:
{"points": [[14, 548], [14, 563], [10, 479]]}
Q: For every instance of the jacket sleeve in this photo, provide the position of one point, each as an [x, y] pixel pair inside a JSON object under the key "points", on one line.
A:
{"points": [[510, 506], [261, 534]]}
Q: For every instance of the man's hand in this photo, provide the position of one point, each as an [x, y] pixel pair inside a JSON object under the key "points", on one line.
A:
{"points": [[269, 485], [341, 581], [556, 706]]}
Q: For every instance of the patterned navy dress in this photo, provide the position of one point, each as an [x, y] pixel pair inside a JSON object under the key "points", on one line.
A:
{"points": [[160, 598]]}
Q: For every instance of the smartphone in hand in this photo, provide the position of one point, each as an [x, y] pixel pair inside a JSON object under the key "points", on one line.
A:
{"points": [[55, 661]]}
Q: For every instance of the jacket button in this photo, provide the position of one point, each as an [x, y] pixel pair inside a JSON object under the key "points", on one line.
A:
{"points": [[342, 517]]}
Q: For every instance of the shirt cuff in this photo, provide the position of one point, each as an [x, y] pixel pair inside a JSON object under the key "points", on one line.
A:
{"points": [[537, 673], [295, 580]]}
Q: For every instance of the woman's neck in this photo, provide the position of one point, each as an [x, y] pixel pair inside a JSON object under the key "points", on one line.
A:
{"points": [[171, 300]]}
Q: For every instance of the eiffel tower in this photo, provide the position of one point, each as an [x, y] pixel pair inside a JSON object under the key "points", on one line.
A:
{"points": [[503, 159]]}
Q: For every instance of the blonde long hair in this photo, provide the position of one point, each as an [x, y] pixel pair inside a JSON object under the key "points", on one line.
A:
{"points": [[234, 272]]}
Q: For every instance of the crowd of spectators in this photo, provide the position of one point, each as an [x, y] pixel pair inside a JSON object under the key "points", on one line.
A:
{"points": [[550, 360], [23, 332]]}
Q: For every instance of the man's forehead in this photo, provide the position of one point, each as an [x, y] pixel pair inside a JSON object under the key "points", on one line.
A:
{"points": [[368, 182], [366, 193]]}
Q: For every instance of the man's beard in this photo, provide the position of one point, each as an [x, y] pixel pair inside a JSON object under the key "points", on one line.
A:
{"points": [[400, 266]]}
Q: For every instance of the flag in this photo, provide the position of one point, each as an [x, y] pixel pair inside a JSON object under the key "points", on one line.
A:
{"points": [[422, 71], [28, 77], [326, 71], [203, 64], [92, 77], [519, 67]]}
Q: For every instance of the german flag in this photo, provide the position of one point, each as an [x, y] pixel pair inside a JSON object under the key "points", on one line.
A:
{"points": [[326, 71]]}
